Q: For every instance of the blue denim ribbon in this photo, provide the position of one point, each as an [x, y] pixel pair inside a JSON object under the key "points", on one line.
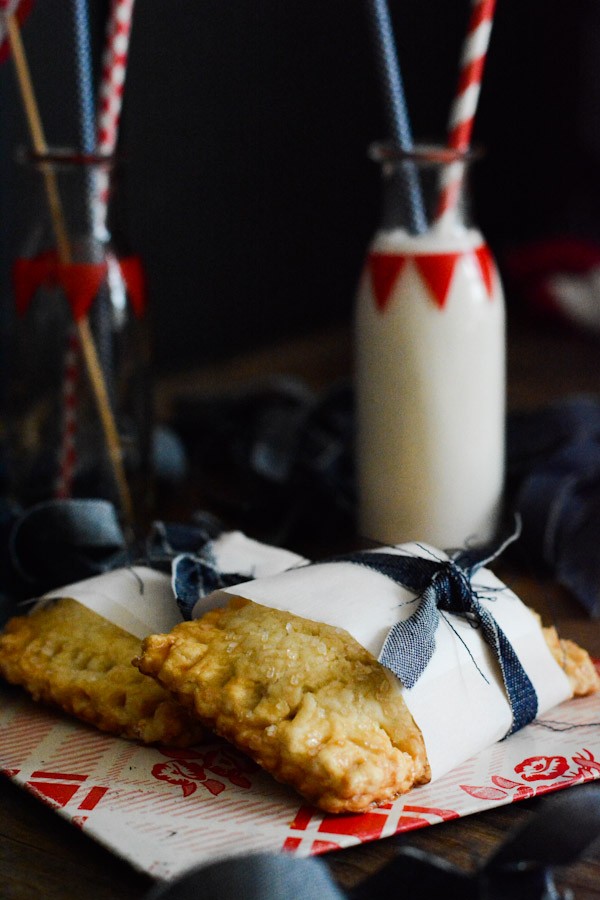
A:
{"points": [[445, 586], [187, 552]]}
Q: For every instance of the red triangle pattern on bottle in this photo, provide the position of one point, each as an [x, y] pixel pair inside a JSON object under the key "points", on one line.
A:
{"points": [[79, 281], [384, 269], [135, 281], [486, 264], [437, 270], [29, 274]]}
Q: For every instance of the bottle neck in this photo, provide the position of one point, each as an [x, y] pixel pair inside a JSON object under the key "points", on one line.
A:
{"points": [[425, 191], [65, 201]]}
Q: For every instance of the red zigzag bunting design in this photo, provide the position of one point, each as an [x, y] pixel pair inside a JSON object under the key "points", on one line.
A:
{"points": [[436, 269], [79, 281]]}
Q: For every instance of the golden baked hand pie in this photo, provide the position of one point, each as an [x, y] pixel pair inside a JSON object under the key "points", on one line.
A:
{"points": [[68, 656], [304, 699]]}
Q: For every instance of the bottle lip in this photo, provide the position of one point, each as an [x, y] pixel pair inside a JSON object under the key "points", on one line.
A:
{"points": [[423, 154], [63, 156]]}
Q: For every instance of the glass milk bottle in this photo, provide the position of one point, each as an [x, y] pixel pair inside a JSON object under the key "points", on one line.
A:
{"points": [[79, 417], [430, 361]]}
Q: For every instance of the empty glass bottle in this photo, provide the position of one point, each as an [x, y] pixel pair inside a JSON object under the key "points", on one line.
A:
{"points": [[79, 400]]}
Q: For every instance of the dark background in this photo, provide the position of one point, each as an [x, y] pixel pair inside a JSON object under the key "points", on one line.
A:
{"points": [[245, 183]]}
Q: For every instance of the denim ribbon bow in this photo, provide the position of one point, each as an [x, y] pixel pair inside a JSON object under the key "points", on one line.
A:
{"points": [[444, 586]]}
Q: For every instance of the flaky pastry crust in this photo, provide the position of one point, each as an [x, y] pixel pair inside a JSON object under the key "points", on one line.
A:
{"points": [[575, 662], [68, 656], [305, 700]]}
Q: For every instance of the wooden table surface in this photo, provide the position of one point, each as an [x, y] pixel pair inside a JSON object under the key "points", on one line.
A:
{"points": [[43, 856]]}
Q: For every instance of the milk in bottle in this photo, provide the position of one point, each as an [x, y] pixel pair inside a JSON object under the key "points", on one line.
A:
{"points": [[430, 385]]}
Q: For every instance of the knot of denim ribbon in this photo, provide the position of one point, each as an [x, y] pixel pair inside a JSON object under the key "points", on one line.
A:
{"points": [[187, 551], [444, 586]]}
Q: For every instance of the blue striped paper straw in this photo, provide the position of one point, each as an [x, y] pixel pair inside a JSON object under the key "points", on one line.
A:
{"points": [[84, 99], [86, 121], [396, 106], [86, 118]]}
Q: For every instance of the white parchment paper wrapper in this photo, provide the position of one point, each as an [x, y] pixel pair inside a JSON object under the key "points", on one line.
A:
{"points": [[459, 702], [140, 600], [235, 552]]}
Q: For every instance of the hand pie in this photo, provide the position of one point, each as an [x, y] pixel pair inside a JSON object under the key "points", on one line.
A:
{"points": [[68, 656], [304, 699]]}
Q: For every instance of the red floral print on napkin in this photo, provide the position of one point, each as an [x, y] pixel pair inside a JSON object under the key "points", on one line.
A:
{"points": [[551, 772], [189, 768], [537, 768]]}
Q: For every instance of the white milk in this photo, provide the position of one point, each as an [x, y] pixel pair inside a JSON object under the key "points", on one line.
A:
{"points": [[430, 385]]}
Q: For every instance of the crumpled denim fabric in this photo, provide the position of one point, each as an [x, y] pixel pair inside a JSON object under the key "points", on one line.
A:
{"points": [[255, 877], [54, 543], [553, 480], [276, 457], [290, 454], [59, 542]]}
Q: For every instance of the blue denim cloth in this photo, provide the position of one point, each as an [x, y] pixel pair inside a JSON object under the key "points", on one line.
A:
{"points": [[55, 543], [553, 459], [255, 877], [277, 458], [293, 453]]}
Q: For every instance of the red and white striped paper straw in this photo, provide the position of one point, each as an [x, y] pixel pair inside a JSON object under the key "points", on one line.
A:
{"points": [[64, 485], [466, 98], [112, 86], [110, 102]]}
